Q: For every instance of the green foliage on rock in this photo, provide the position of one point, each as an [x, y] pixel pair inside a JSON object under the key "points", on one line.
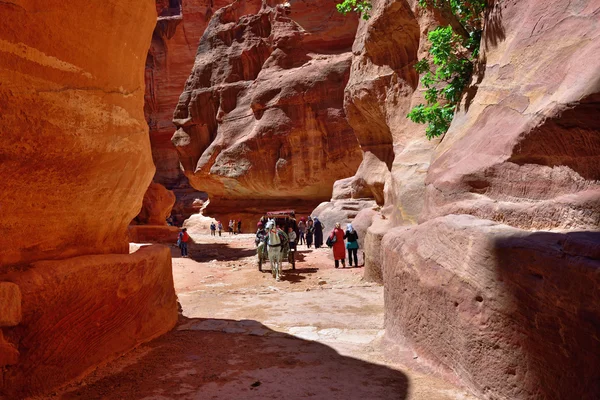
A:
{"points": [[447, 70], [362, 7], [449, 66]]}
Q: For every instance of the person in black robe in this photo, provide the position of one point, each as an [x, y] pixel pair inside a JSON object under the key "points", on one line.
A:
{"points": [[318, 233], [310, 231]]}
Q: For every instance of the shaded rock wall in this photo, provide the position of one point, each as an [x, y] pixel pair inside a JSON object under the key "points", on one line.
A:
{"points": [[75, 161], [83, 311], [507, 309], [513, 313], [261, 115]]}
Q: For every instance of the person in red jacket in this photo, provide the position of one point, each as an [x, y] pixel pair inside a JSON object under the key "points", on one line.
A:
{"points": [[182, 242], [336, 238]]}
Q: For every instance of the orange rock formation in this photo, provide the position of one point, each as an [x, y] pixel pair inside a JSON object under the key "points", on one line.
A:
{"points": [[260, 120], [75, 164]]}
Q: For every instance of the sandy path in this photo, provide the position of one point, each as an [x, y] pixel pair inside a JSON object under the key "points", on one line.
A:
{"points": [[317, 334]]}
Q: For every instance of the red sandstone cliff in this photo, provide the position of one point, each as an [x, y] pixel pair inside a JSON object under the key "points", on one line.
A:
{"points": [[75, 162], [471, 284], [261, 122], [170, 59]]}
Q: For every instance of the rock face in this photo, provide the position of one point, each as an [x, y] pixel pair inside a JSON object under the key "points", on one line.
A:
{"points": [[261, 115], [513, 313], [475, 287], [90, 150], [382, 88], [539, 168], [156, 205], [82, 311], [75, 162], [175, 40]]}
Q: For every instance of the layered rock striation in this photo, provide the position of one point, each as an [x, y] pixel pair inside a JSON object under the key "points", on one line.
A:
{"points": [[75, 161], [493, 277], [261, 117], [175, 40]]}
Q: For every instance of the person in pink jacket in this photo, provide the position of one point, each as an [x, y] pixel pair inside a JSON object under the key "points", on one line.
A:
{"points": [[336, 239]]}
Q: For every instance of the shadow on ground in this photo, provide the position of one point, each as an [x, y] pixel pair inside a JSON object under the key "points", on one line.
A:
{"points": [[205, 252], [225, 359]]}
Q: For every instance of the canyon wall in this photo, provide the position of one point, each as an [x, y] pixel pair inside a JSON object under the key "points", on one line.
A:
{"points": [[261, 122], [170, 59], [75, 161], [487, 244]]}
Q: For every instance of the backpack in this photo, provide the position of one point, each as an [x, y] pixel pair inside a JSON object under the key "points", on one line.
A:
{"points": [[331, 240]]}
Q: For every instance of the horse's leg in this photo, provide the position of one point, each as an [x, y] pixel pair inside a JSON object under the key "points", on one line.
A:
{"points": [[272, 262], [278, 278]]}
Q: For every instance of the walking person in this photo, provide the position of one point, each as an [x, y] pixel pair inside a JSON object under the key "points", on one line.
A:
{"points": [[213, 228], [352, 244], [182, 242], [319, 227], [301, 231], [336, 241], [230, 227], [219, 227], [239, 226], [310, 231]]}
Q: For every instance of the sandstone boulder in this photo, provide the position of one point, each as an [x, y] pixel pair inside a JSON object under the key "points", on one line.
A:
{"points": [[199, 224], [261, 117], [156, 206], [512, 312], [342, 211], [83, 311], [371, 176]]}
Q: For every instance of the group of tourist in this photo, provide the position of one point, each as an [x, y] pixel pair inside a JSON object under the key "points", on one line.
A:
{"points": [[216, 226], [311, 229], [336, 242], [235, 226], [306, 231]]}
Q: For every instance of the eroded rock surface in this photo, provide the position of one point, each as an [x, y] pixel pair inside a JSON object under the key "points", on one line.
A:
{"points": [[156, 205], [507, 308], [74, 140], [261, 115], [509, 311], [75, 162], [170, 58], [525, 150], [83, 311]]}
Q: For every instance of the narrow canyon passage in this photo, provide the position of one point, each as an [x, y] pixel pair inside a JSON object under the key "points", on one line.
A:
{"points": [[316, 334]]}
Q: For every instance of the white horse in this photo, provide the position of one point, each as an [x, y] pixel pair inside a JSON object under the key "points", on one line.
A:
{"points": [[274, 249]]}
